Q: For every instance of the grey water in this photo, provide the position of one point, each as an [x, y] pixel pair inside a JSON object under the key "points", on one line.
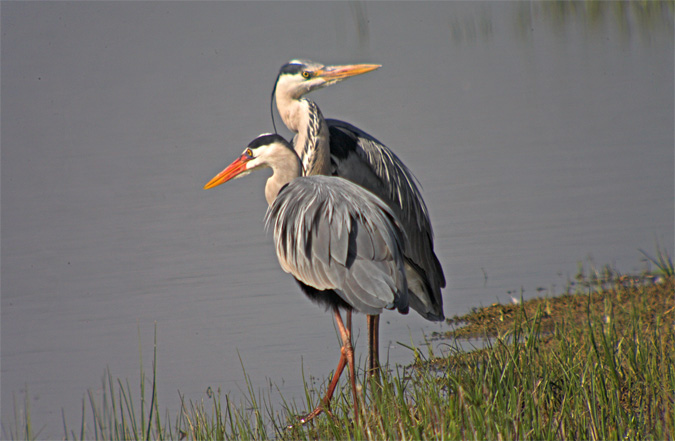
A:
{"points": [[541, 134]]}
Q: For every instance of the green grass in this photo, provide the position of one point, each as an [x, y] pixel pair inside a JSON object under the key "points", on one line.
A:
{"points": [[598, 363]]}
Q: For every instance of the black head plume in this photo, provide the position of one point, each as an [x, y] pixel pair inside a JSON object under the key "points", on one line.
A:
{"points": [[272, 104]]}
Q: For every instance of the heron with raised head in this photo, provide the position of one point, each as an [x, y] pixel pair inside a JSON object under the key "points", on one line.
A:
{"points": [[333, 147], [343, 244]]}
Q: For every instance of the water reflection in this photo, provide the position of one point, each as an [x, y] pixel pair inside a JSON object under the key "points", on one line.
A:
{"points": [[627, 17], [360, 16], [469, 28]]}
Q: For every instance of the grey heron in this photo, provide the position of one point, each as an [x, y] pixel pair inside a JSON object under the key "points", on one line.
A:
{"points": [[333, 147], [343, 244]]}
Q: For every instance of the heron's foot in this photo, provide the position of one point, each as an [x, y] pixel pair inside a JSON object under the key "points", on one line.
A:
{"points": [[304, 419], [319, 409]]}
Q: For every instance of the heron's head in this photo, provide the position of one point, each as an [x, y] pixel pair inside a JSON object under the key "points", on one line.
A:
{"points": [[266, 150], [299, 77]]}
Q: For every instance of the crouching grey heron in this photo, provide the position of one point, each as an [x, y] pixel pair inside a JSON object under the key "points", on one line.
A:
{"points": [[333, 147], [343, 244]]}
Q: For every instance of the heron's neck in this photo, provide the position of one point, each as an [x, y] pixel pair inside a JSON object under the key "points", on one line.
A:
{"points": [[285, 168], [312, 142]]}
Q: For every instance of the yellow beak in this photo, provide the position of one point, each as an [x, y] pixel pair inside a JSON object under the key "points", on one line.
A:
{"points": [[345, 71]]}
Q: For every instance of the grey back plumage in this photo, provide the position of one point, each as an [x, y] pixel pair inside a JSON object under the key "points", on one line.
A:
{"points": [[375, 167], [332, 234], [402, 184]]}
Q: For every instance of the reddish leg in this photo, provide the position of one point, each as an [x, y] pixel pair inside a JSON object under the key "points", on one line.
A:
{"points": [[346, 358], [349, 350]]}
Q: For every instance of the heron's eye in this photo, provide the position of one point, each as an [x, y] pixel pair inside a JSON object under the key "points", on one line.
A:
{"points": [[249, 153], [306, 74]]}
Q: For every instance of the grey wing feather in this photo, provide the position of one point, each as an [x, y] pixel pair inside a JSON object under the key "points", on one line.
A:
{"points": [[376, 168], [332, 234], [401, 185]]}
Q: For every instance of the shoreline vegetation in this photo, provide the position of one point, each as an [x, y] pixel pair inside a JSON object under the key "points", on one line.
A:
{"points": [[597, 362]]}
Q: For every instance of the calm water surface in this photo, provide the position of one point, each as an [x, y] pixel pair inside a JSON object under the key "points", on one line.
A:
{"points": [[541, 136]]}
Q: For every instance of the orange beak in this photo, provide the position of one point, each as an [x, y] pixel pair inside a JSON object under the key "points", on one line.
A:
{"points": [[346, 71], [232, 171]]}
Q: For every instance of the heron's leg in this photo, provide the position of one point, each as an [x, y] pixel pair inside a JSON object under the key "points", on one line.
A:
{"points": [[340, 367], [373, 344], [348, 351], [329, 394], [349, 321]]}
